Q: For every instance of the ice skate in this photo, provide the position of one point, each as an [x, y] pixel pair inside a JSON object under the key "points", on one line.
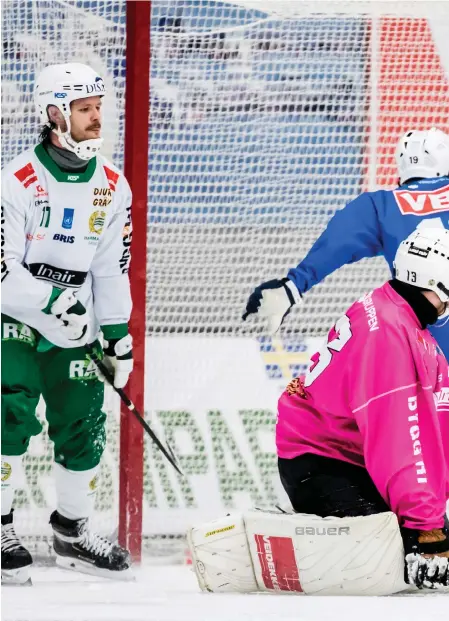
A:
{"points": [[79, 549], [16, 559]]}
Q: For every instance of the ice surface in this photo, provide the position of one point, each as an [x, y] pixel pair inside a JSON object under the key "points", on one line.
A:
{"points": [[170, 593]]}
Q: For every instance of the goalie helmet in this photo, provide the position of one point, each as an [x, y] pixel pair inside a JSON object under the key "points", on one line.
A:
{"points": [[422, 260], [423, 154], [59, 85]]}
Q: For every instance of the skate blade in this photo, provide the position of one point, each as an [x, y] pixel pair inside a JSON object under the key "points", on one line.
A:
{"points": [[84, 567], [16, 577]]}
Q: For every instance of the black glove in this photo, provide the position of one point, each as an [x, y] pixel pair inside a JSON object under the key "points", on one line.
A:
{"points": [[273, 299], [426, 556]]}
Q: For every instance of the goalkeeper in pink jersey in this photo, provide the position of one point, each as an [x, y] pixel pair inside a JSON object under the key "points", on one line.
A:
{"points": [[367, 429]]}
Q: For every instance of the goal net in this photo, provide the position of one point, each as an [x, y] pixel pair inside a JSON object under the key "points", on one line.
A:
{"points": [[265, 118]]}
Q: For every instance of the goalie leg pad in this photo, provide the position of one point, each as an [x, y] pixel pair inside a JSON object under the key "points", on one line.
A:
{"points": [[273, 551], [221, 556], [333, 556]]}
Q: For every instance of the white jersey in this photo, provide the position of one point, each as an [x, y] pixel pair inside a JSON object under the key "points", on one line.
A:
{"points": [[66, 230]]}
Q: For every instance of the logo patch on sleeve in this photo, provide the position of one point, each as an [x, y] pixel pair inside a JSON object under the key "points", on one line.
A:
{"points": [[112, 177], [26, 175]]}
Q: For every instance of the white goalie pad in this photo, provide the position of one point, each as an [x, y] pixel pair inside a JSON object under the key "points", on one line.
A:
{"points": [[273, 551], [221, 556]]}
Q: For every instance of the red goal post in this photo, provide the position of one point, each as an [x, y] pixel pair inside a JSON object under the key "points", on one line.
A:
{"points": [[137, 110]]}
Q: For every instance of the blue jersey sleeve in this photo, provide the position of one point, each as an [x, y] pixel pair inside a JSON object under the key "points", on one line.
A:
{"points": [[353, 233]]}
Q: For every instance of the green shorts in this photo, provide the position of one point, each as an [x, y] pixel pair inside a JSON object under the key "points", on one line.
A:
{"points": [[72, 392]]}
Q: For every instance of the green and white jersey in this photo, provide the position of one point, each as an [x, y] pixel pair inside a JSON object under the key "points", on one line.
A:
{"points": [[66, 230]]}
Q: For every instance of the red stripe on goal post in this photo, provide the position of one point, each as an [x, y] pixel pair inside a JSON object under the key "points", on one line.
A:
{"points": [[137, 104]]}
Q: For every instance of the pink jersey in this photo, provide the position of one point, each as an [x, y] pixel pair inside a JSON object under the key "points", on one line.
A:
{"points": [[377, 395]]}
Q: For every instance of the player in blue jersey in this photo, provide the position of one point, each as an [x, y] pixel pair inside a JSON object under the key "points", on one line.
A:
{"points": [[373, 224]]}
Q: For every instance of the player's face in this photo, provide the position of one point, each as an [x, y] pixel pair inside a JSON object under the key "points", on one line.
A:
{"points": [[85, 118], [444, 308]]}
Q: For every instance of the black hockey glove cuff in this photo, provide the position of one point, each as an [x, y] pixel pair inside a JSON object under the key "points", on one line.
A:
{"points": [[426, 556]]}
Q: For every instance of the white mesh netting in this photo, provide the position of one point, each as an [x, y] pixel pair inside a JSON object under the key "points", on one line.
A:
{"points": [[264, 121]]}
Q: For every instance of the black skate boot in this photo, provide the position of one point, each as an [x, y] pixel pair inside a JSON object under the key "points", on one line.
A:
{"points": [[16, 559], [79, 549]]}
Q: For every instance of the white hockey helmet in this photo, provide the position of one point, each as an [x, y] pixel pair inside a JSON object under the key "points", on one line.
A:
{"points": [[423, 154], [59, 85], [422, 260]]}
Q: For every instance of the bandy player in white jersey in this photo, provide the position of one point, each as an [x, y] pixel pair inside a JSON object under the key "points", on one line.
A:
{"points": [[66, 234]]}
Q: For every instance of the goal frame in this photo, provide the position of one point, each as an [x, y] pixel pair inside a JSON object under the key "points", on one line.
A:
{"points": [[136, 145]]}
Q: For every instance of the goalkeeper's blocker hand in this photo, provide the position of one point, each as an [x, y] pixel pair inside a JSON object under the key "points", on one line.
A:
{"points": [[273, 300], [68, 309], [118, 358], [426, 557]]}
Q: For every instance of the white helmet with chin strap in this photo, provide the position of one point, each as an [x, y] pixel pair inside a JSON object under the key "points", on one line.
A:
{"points": [[423, 154], [422, 260], [59, 85]]}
